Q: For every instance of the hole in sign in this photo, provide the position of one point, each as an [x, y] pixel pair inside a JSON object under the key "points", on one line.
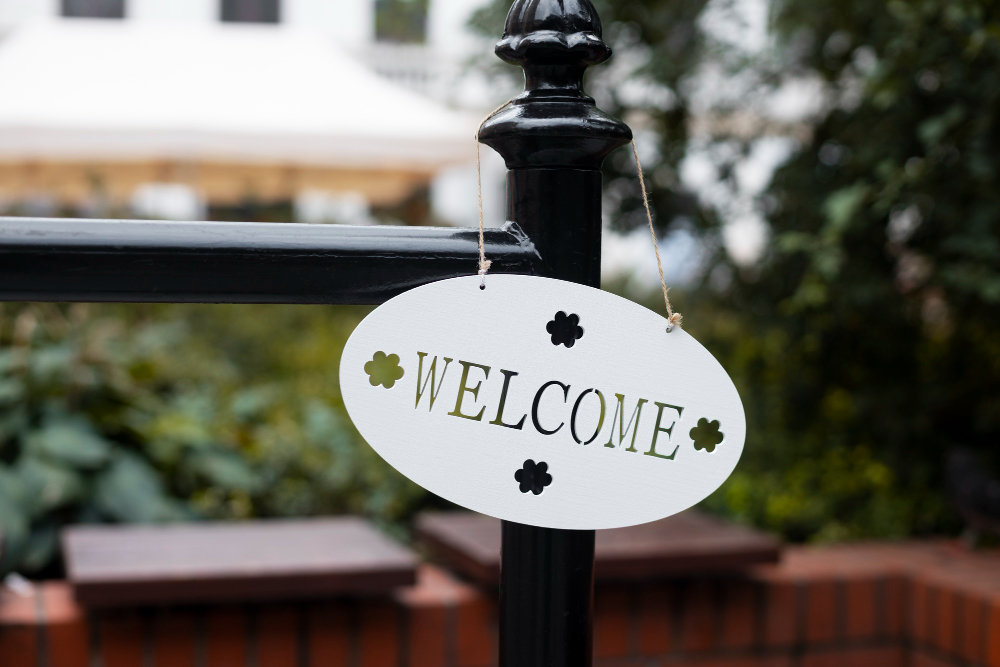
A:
{"points": [[533, 477], [384, 370], [706, 435], [565, 329]]}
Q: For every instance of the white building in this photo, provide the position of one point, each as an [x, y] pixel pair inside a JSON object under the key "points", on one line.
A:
{"points": [[349, 22], [427, 66], [167, 117]]}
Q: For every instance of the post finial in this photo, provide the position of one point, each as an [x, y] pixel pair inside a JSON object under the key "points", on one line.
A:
{"points": [[553, 30], [553, 123]]}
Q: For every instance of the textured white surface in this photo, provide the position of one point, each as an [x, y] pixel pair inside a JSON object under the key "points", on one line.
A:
{"points": [[92, 89], [625, 349]]}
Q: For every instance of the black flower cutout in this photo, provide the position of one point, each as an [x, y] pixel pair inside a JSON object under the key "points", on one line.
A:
{"points": [[706, 434], [565, 329], [533, 477], [384, 370]]}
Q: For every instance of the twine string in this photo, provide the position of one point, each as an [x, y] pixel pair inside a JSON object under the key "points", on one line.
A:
{"points": [[484, 264], [673, 319]]}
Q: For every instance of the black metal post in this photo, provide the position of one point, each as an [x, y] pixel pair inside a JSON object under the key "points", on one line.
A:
{"points": [[553, 139]]}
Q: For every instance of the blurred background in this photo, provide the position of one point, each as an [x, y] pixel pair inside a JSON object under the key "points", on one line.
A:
{"points": [[823, 180]]}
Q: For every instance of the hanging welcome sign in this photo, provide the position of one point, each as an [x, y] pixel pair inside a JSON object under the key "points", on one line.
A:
{"points": [[542, 402]]}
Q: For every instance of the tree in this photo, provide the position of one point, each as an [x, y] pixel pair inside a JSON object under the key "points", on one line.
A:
{"points": [[882, 281]]}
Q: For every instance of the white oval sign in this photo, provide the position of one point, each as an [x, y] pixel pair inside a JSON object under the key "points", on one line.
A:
{"points": [[542, 402]]}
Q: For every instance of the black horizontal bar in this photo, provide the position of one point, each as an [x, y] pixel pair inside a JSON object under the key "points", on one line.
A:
{"points": [[61, 259]]}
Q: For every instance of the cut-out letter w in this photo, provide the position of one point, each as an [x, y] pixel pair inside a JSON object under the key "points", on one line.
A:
{"points": [[431, 378]]}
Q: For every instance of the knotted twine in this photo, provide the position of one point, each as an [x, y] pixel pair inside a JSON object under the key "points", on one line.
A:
{"points": [[673, 319], [484, 264]]}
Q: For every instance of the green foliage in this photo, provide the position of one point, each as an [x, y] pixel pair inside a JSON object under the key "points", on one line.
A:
{"points": [[151, 414], [882, 284], [861, 340]]}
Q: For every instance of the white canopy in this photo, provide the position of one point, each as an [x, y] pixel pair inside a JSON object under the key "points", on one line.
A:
{"points": [[129, 90]]}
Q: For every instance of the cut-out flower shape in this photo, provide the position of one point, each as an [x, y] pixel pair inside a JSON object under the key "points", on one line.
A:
{"points": [[533, 477], [706, 434], [565, 329], [384, 370]]}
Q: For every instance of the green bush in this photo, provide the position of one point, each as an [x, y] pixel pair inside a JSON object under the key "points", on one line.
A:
{"points": [[174, 413]]}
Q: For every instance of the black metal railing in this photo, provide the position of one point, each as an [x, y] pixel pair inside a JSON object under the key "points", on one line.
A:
{"points": [[59, 259]]}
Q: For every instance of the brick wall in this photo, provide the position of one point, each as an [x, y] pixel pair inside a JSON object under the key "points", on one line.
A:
{"points": [[878, 605]]}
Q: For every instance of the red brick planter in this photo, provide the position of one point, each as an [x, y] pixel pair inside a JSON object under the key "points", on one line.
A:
{"points": [[878, 605]]}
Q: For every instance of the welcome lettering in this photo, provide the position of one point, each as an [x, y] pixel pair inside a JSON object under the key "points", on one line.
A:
{"points": [[551, 393]]}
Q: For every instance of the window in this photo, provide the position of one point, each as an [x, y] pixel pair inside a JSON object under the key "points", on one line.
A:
{"points": [[251, 11], [401, 21], [97, 9]]}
